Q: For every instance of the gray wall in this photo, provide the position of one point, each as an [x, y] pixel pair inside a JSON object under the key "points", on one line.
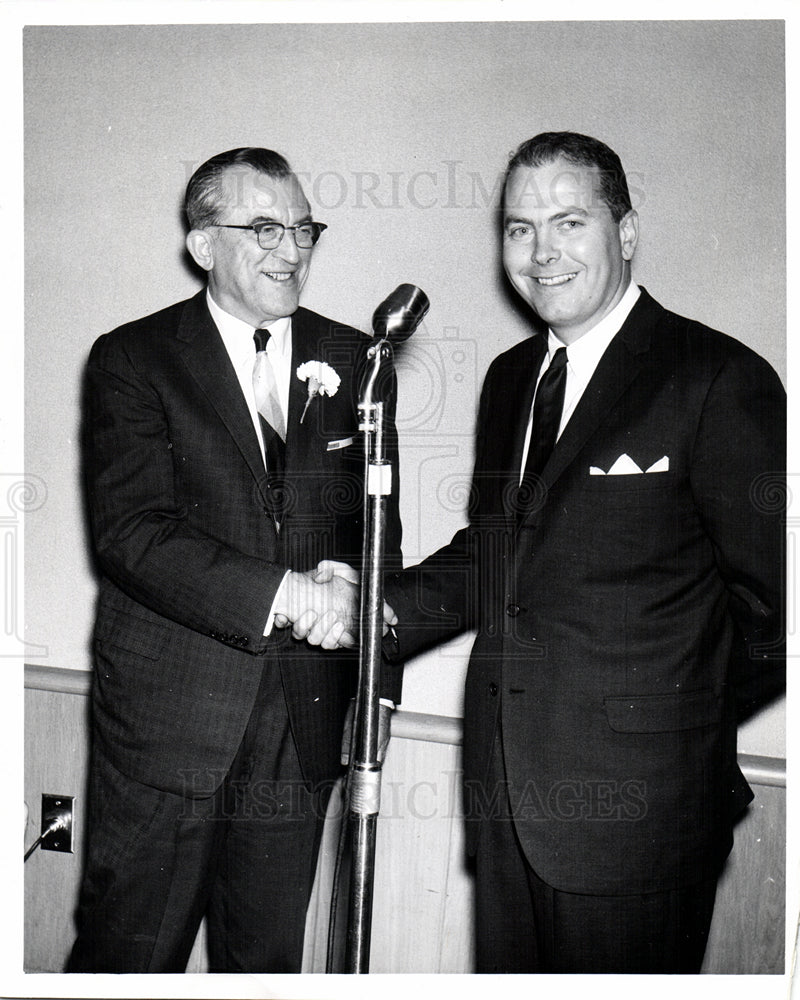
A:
{"points": [[401, 132]]}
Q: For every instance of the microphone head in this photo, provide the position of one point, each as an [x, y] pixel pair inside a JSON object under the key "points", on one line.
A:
{"points": [[398, 316]]}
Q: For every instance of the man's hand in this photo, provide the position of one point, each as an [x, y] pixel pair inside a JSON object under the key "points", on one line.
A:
{"points": [[321, 606], [329, 568]]}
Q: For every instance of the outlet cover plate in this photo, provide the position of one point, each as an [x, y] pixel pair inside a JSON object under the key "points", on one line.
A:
{"points": [[59, 840]]}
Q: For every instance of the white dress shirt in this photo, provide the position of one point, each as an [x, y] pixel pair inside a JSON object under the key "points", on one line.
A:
{"points": [[237, 336], [583, 357]]}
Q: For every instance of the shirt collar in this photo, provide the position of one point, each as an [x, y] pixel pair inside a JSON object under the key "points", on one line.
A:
{"points": [[587, 350], [238, 335]]}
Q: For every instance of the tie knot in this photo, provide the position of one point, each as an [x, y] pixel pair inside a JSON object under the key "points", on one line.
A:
{"points": [[559, 358], [261, 337]]}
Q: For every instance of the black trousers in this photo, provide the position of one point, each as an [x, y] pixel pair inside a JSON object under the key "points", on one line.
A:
{"points": [[243, 857], [525, 926]]}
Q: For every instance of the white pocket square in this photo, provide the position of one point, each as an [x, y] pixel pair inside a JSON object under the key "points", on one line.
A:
{"points": [[625, 466], [342, 443]]}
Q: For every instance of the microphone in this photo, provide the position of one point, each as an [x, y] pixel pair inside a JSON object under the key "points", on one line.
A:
{"points": [[398, 316]]}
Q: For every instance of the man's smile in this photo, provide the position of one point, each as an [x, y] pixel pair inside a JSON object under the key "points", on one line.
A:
{"points": [[559, 279]]}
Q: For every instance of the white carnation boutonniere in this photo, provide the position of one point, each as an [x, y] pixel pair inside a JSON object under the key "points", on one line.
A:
{"points": [[322, 381]]}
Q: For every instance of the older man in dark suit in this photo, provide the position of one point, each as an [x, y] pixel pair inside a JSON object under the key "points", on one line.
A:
{"points": [[222, 466], [622, 556]]}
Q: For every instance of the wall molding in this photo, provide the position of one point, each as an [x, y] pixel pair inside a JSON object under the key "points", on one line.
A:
{"points": [[405, 725]]}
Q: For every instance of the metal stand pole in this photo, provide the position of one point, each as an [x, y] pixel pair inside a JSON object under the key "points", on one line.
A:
{"points": [[365, 776]]}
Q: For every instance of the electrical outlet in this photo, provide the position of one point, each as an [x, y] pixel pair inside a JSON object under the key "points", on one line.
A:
{"points": [[57, 807]]}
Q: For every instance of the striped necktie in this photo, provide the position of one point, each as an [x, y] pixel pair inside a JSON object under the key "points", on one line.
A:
{"points": [[266, 386], [273, 426]]}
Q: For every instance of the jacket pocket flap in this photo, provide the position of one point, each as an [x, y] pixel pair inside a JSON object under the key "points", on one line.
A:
{"points": [[136, 635], [661, 713]]}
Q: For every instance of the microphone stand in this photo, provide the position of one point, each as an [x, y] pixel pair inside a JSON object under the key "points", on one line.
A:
{"points": [[365, 773]]}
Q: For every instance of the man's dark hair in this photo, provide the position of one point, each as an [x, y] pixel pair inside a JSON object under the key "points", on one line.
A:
{"points": [[204, 193], [584, 151]]}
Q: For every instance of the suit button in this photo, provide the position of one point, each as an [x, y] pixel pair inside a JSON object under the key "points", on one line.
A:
{"points": [[493, 689], [512, 610]]}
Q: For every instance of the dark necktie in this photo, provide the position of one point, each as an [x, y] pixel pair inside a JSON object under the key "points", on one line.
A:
{"points": [[271, 419], [547, 408]]}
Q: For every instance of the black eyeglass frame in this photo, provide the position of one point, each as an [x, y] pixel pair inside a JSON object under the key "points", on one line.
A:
{"points": [[317, 229]]}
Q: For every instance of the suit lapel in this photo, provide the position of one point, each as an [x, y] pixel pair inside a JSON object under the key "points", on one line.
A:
{"points": [[300, 438], [519, 384], [208, 363], [298, 390]]}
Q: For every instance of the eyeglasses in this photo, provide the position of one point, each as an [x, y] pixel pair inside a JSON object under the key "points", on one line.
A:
{"points": [[270, 234]]}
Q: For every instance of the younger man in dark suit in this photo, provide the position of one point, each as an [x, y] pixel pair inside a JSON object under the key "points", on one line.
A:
{"points": [[622, 555], [222, 466]]}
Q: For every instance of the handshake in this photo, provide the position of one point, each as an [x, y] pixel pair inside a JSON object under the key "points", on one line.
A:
{"points": [[323, 605]]}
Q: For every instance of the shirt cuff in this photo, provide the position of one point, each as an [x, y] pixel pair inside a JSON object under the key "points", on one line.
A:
{"points": [[275, 601]]}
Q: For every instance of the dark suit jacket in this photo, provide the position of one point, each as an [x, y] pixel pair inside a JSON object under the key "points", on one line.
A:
{"points": [[190, 556], [608, 622]]}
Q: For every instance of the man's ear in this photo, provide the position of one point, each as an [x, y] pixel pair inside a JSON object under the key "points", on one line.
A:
{"points": [[199, 245], [628, 233]]}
